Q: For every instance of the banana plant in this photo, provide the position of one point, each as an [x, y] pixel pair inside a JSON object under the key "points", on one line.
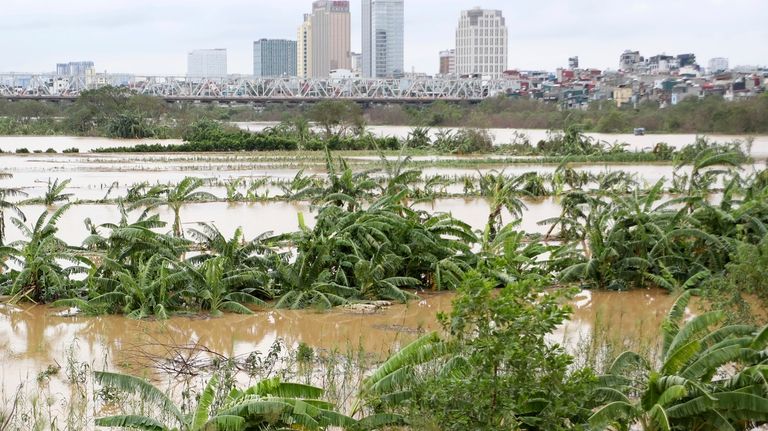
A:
{"points": [[687, 389], [268, 405], [6, 205]]}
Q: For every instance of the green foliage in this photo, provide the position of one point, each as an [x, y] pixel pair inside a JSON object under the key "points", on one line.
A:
{"points": [[638, 240], [465, 141], [117, 111], [372, 253], [496, 371], [613, 122], [687, 390], [748, 270], [174, 197], [7, 205], [336, 116], [40, 277], [129, 125], [268, 405]]}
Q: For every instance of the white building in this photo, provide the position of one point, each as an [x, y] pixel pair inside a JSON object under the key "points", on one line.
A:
{"points": [[304, 48], [207, 63], [717, 64], [357, 63], [383, 38], [481, 43]]}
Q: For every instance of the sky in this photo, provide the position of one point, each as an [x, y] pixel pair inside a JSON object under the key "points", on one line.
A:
{"points": [[154, 36]]}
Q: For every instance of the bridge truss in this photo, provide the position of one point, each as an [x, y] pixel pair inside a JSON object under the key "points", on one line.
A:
{"points": [[175, 88]]}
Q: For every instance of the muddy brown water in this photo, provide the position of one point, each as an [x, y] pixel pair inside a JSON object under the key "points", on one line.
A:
{"points": [[34, 337], [260, 217]]}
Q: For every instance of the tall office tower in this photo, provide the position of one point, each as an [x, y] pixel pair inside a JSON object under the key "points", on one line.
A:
{"points": [[207, 63], [481, 43], [448, 62], [304, 48], [331, 37], [274, 57], [74, 68], [383, 41]]}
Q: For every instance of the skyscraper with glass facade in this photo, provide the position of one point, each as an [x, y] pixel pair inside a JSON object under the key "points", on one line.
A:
{"points": [[274, 57], [383, 38]]}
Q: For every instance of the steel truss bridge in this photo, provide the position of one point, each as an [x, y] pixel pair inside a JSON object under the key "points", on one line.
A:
{"points": [[17, 86]]}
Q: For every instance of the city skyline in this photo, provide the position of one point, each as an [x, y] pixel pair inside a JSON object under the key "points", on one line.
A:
{"points": [[148, 38]]}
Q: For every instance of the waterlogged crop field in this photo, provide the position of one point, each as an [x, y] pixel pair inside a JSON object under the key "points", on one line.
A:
{"points": [[316, 267]]}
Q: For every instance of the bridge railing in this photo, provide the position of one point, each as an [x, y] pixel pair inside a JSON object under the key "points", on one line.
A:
{"points": [[285, 88]]}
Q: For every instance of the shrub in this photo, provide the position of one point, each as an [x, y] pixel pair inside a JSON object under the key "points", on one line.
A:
{"points": [[748, 272]]}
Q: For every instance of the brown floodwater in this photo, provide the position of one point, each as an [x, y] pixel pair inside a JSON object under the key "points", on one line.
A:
{"points": [[34, 337], [273, 216]]}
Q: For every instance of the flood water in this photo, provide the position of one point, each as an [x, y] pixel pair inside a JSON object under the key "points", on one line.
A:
{"points": [[275, 216], [509, 136], [34, 337], [500, 137]]}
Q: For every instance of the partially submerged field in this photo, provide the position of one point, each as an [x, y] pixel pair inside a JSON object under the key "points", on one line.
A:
{"points": [[172, 240]]}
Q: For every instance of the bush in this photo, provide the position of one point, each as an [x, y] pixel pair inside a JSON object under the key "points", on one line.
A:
{"points": [[465, 141], [748, 271], [503, 373], [71, 150], [22, 151], [50, 151]]}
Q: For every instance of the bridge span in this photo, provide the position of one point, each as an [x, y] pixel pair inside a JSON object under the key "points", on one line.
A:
{"points": [[16, 86]]}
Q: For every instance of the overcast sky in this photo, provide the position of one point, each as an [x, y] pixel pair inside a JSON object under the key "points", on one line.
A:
{"points": [[153, 36]]}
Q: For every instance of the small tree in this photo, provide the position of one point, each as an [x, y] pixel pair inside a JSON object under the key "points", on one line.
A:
{"points": [[336, 117], [495, 371]]}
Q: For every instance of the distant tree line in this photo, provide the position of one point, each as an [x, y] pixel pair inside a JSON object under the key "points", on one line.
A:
{"points": [[115, 112]]}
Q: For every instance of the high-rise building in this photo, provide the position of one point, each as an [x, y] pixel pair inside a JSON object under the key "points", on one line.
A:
{"points": [[573, 62], [274, 57], [304, 48], [74, 68], [448, 62], [331, 37], [207, 63], [481, 43], [357, 63], [383, 38], [717, 64]]}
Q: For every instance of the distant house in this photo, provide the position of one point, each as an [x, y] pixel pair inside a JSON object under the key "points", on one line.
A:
{"points": [[622, 95]]}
